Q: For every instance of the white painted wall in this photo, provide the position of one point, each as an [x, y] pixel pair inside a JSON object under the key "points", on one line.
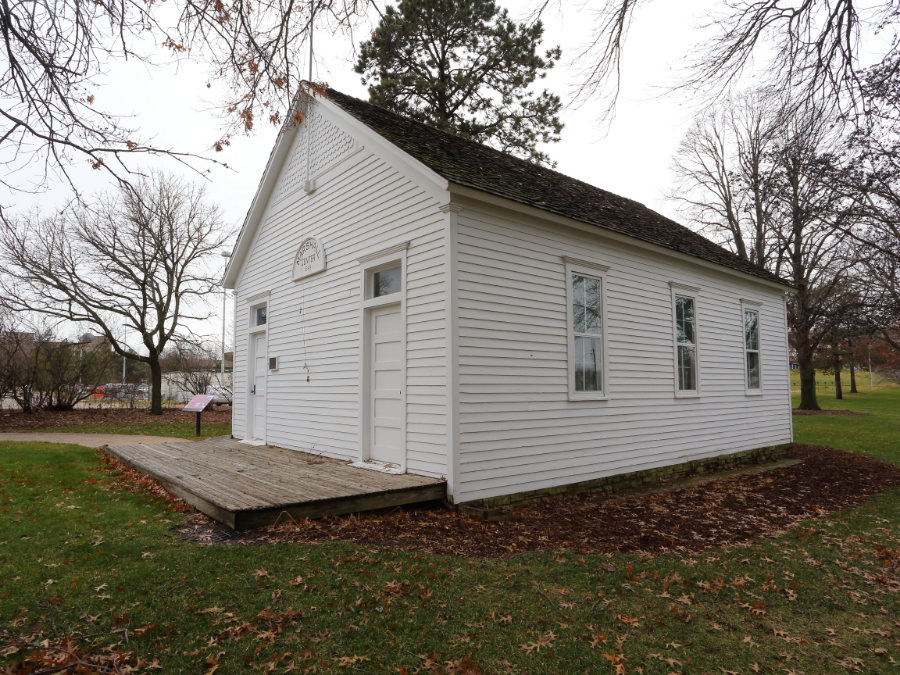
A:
{"points": [[361, 204], [517, 429]]}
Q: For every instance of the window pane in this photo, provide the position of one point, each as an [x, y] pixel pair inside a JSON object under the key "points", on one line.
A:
{"points": [[578, 317], [260, 316], [579, 364], [592, 306], [687, 368], [684, 319], [577, 289], [753, 370], [386, 282], [587, 364], [751, 329], [586, 307]]}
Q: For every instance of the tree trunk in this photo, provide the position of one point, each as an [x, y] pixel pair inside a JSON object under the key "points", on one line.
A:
{"points": [[853, 378], [807, 380], [838, 391], [155, 386]]}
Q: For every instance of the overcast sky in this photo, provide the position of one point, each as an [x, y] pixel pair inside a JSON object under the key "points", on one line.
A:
{"points": [[632, 157]]}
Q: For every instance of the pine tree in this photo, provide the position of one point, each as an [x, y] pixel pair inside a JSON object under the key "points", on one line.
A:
{"points": [[465, 67]]}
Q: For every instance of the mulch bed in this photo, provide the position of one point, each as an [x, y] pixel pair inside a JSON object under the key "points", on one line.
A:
{"points": [[797, 411], [16, 420], [735, 510]]}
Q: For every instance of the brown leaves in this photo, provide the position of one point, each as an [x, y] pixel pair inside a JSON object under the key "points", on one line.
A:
{"points": [[543, 641], [597, 640], [68, 655], [394, 589], [733, 510]]}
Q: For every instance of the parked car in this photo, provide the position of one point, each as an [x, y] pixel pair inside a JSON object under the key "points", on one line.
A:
{"points": [[222, 394], [125, 392]]}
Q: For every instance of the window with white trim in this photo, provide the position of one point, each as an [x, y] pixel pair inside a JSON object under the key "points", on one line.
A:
{"points": [[686, 343], [751, 349], [586, 310], [587, 329], [387, 281], [260, 316]]}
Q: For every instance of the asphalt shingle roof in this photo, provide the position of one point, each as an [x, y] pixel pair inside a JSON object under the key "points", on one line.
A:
{"points": [[477, 166]]}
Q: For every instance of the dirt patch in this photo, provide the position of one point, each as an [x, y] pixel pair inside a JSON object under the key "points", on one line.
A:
{"points": [[797, 411], [735, 510], [15, 420]]}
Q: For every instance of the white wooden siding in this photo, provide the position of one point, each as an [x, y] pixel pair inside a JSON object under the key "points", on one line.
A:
{"points": [[361, 206], [518, 431]]}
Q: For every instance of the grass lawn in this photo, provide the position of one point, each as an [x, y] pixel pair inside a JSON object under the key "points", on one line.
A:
{"points": [[877, 435], [80, 557], [170, 428]]}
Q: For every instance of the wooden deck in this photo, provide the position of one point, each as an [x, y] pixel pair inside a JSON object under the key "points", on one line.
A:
{"points": [[244, 486]]}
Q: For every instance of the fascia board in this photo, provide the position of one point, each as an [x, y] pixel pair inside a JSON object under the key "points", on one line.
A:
{"points": [[510, 205]]}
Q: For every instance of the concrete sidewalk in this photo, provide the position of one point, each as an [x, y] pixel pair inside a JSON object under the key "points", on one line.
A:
{"points": [[90, 440]]}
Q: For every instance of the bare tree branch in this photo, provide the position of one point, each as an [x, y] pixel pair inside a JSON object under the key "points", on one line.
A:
{"points": [[136, 260]]}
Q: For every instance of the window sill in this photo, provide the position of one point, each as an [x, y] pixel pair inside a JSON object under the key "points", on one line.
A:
{"points": [[753, 392], [687, 394], [390, 299], [588, 397]]}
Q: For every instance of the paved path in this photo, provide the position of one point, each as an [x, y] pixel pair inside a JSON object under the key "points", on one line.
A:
{"points": [[90, 440]]}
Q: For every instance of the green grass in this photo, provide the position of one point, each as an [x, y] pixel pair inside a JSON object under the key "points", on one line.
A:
{"points": [[80, 557], [826, 381], [877, 435], [173, 429]]}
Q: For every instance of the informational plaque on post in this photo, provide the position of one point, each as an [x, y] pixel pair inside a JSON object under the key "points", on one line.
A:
{"points": [[198, 403]]}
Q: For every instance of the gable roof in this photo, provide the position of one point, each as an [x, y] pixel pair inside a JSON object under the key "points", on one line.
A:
{"points": [[477, 166]]}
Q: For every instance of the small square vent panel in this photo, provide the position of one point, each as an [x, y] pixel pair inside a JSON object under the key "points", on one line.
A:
{"points": [[273, 363]]}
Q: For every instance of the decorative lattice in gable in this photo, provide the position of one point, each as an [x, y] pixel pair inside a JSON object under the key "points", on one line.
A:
{"points": [[329, 146]]}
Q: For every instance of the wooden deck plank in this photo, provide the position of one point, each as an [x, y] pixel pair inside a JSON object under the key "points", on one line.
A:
{"points": [[247, 478], [248, 486]]}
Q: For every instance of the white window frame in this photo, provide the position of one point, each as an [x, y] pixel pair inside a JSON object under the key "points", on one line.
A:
{"points": [[595, 270], [253, 328], [692, 292], [368, 265], [752, 306]]}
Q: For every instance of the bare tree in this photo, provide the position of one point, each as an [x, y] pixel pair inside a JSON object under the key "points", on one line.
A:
{"points": [[761, 180], [54, 54], [138, 260], [869, 178], [810, 50], [23, 349], [726, 176], [40, 370]]}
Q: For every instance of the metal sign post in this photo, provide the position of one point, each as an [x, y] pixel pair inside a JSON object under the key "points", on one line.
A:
{"points": [[198, 405]]}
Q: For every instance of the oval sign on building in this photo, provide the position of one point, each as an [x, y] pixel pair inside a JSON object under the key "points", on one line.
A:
{"points": [[310, 258]]}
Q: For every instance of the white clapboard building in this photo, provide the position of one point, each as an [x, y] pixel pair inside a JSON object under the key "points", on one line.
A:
{"points": [[419, 300]]}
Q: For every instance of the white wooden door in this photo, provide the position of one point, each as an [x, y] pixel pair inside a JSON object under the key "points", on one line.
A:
{"points": [[386, 434], [258, 387]]}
